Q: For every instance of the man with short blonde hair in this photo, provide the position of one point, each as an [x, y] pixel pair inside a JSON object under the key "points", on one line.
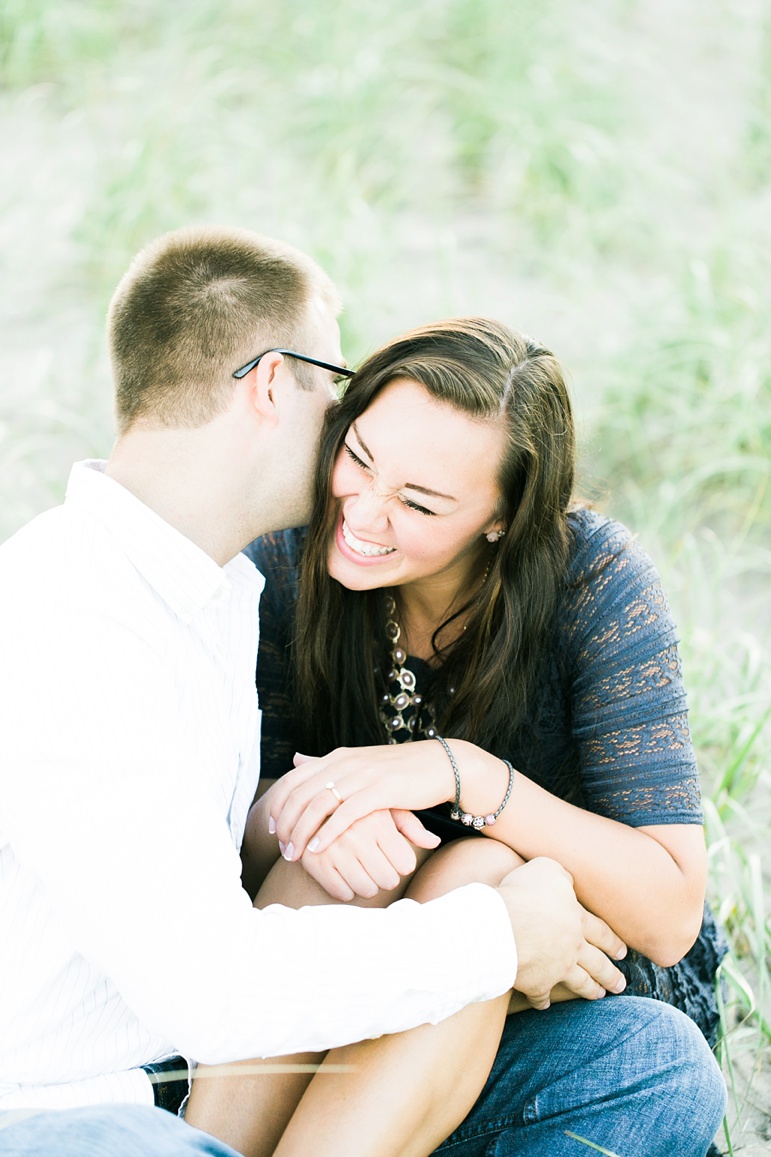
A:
{"points": [[187, 309]]}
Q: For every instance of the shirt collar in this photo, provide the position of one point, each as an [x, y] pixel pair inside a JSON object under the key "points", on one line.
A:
{"points": [[183, 575]]}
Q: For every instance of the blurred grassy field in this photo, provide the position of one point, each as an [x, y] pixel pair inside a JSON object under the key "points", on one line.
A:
{"points": [[596, 174]]}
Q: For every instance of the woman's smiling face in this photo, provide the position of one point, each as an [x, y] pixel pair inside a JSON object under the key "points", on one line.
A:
{"points": [[415, 486]]}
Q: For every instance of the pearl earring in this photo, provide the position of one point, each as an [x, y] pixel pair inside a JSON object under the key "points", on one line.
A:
{"points": [[494, 535]]}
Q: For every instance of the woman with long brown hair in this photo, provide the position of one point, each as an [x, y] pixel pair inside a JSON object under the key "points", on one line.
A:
{"points": [[454, 636]]}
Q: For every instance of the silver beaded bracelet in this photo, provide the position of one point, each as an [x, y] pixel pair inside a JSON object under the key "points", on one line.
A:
{"points": [[456, 812]]}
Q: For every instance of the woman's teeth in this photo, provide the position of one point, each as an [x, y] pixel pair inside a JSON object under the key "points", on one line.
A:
{"points": [[366, 548]]}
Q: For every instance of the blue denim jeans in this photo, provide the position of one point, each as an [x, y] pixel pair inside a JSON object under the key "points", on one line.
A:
{"points": [[631, 1075], [106, 1131]]}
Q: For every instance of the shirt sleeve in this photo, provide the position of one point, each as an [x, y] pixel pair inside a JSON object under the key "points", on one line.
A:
{"points": [[104, 800], [628, 703]]}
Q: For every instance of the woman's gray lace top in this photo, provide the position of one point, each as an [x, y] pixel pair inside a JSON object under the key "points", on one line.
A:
{"points": [[608, 727]]}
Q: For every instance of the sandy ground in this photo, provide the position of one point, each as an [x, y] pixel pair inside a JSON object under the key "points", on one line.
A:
{"points": [[749, 1121]]}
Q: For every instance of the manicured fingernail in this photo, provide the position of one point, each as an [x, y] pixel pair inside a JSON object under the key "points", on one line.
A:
{"points": [[288, 851], [621, 985], [281, 847], [271, 826], [314, 844], [621, 953]]}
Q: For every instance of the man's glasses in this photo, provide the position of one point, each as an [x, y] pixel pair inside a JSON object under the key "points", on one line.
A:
{"points": [[340, 371]]}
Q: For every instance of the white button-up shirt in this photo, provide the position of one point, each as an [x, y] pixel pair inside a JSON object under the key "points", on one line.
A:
{"points": [[129, 747]]}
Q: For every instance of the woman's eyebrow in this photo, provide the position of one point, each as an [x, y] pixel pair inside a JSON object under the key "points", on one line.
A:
{"points": [[407, 485]]}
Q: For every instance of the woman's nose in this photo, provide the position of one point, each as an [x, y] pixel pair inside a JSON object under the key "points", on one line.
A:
{"points": [[367, 510]]}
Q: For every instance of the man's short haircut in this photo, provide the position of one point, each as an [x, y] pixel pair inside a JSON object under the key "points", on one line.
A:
{"points": [[195, 305]]}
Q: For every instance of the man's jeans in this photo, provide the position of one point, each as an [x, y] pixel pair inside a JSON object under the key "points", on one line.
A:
{"points": [[107, 1131], [630, 1075]]}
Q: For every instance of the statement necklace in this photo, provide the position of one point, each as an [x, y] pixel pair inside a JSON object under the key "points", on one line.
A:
{"points": [[402, 707]]}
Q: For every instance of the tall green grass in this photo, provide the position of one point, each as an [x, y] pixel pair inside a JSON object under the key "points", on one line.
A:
{"points": [[594, 173]]}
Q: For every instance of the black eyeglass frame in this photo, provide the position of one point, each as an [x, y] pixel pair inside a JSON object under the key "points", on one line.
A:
{"points": [[341, 371]]}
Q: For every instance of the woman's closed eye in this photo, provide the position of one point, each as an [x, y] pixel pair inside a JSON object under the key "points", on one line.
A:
{"points": [[414, 506], [359, 462], [404, 501]]}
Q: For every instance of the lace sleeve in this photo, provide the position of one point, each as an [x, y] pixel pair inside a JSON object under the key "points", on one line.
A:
{"points": [[629, 715], [276, 557]]}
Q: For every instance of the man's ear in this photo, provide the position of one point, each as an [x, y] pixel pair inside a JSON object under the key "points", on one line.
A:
{"points": [[264, 384]]}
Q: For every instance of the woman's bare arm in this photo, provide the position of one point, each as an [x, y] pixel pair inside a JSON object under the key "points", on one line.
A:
{"points": [[647, 883]]}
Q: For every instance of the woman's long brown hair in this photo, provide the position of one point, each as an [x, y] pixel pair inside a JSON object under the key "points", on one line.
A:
{"points": [[488, 371]]}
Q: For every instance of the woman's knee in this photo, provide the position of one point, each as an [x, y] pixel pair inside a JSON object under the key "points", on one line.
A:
{"points": [[463, 861]]}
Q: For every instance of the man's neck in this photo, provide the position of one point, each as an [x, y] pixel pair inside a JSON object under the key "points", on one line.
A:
{"points": [[183, 477]]}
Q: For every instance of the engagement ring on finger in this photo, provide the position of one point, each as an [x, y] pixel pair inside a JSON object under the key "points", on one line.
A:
{"points": [[331, 787]]}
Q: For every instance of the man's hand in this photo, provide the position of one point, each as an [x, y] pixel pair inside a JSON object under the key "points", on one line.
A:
{"points": [[558, 941], [371, 856]]}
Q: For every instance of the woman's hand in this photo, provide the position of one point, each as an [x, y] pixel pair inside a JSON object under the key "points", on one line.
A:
{"points": [[408, 776], [371, 856]]}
